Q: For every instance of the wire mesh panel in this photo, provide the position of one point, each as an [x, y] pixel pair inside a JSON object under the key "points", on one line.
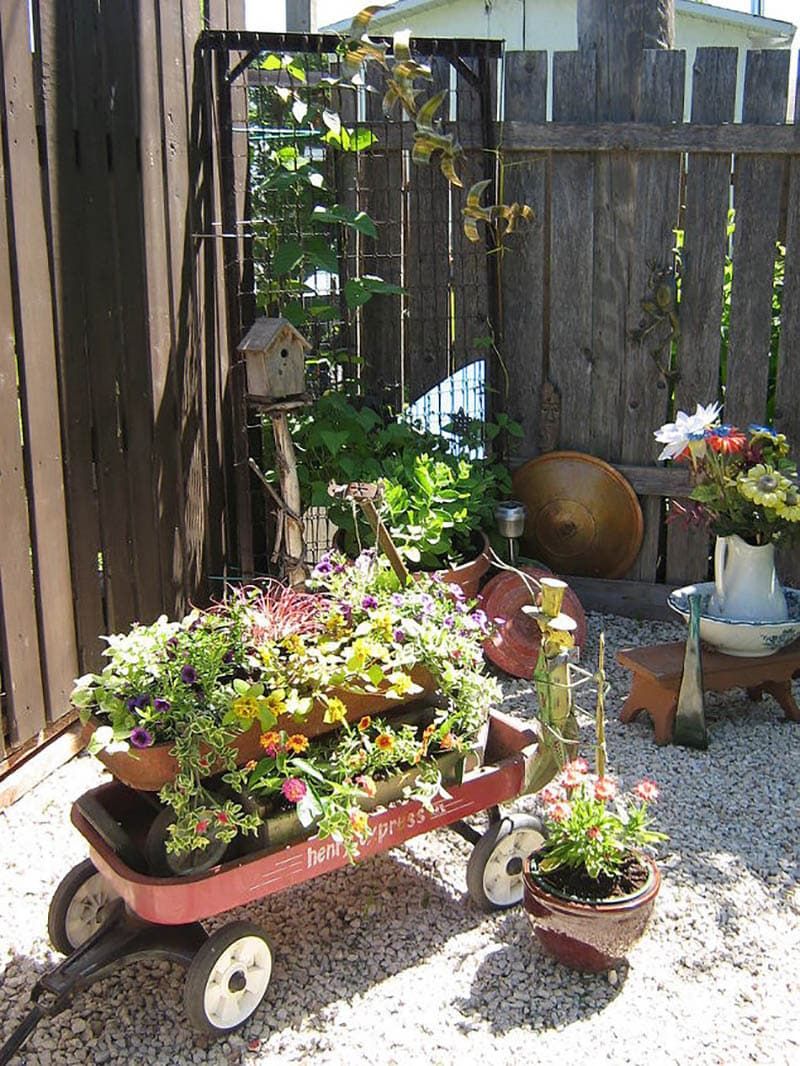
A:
{"points": [[348, 238]]}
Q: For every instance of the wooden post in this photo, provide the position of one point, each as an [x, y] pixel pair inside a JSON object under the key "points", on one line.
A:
{"points": [[618, 31], [301, 16], [296, 570]]}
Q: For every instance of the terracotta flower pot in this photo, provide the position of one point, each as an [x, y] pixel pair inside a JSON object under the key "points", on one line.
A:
{"points": [[468, 575], [586, 935], [149, 769]]}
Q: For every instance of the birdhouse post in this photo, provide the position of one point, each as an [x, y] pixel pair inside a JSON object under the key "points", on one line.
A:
{"points": [[274, 355]]}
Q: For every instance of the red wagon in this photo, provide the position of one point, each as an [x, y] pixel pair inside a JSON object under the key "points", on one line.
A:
{"points": [[109, 909]]}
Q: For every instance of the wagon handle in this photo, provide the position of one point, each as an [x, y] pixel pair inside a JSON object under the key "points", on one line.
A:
{"points": [[365, 493]]}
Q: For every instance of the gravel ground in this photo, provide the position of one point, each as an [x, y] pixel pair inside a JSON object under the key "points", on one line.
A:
{"points": [[390, 962]]}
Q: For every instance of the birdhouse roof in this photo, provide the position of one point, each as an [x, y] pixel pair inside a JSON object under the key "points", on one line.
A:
{"points": [[266, 332]]}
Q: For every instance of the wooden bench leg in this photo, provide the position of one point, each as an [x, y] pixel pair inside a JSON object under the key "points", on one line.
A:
{"points": [[659, 702], [781, 692]]}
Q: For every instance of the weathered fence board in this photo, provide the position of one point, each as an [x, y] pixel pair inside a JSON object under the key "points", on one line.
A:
{"points": [[525, 255], [707, 201], [36, 360], [570, 362], [100, 319], [645, 377], [754, 244]]}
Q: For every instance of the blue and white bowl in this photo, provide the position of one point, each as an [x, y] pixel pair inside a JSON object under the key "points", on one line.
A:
{"points": [[747, 639]]}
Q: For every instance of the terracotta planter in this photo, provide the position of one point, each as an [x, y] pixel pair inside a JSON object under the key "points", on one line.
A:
{"points": [[587, 935], [149, 769], [468, 575]]}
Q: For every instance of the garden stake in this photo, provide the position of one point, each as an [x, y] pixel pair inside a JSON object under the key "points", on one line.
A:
{"points": [[690, 720], [600, 716], [365, 494]]}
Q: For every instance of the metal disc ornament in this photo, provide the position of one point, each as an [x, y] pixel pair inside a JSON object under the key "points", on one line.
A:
{"points": [[583, 516], [514, 644]]}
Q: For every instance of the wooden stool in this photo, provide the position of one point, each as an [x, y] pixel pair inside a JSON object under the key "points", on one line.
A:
{"points": [[657, 674]]}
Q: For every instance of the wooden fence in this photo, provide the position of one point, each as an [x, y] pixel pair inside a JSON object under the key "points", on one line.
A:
{"points": [[610, 192], [113, 362]]}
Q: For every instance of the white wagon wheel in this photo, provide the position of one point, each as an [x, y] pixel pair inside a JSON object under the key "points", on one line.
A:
{"points": [[79, 907], [228, 977], [494, 870]]}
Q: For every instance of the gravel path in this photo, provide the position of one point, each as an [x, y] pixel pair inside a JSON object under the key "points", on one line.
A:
{"points": [[390, 962]]}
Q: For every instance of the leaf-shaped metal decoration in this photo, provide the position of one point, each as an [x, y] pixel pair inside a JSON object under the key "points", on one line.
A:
{"points": [[359, 48], [474, 212], [429, 139]]}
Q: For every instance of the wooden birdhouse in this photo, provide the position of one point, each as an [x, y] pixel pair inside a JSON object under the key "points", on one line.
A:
{"points": [[274, 353]]}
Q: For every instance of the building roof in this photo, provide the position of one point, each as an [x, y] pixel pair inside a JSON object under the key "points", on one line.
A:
{"points": [[265, 330], [758, 24]]}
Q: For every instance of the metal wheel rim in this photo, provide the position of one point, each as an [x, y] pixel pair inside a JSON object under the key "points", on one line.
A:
{"points": [[88, 909], [502, 888], [250, 957]]}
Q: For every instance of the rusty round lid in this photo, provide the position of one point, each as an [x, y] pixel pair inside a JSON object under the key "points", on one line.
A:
{"points": [[583, 515], [514, 645]]}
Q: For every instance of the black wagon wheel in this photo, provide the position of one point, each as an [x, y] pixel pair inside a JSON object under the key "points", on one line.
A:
{"points": [[79, 907], [228, 978], [494, 870]]}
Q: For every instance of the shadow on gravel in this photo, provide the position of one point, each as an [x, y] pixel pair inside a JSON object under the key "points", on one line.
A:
{"points": [[333, 938], [519, 987]]}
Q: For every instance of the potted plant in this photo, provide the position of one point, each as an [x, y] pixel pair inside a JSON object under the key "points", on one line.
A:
{"points": [[436, 505], [745, 490], [188, 703], [589, 890]]}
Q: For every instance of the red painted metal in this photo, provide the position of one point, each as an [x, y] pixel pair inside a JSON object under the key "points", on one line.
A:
{"points": [[173, 901]]}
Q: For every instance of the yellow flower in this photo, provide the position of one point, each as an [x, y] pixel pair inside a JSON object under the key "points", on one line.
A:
{"points": [[335, 625], [294, 645], [335, 711], [359, 822], [401, 683], [790, 507], [763, 486], [382, 625], [297, 743], [245, 707], [276, 701], [369, 649]]}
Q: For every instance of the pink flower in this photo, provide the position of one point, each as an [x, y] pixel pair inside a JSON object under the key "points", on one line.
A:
{"points": [[366, 785], [574, 773], [593, 832], [604, 789], [559, 812], [293, 789], [552, 794], [201, 826], [647, 791]]}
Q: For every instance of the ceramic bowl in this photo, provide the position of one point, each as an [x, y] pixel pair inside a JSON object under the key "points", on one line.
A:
{"points": [[745, 639]]}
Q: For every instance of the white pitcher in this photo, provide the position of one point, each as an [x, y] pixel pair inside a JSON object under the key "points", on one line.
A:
{"points": [[746, 584]]}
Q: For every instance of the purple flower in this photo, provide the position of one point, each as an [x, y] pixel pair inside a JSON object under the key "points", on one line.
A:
{"points": [[188, 674], [369, 602], [449, 621], [347, 611], [140, 738], [397, 599], [161, 706], [399, 636], [324, 566], [229, 656], [143, 701], [427, 603], [131, 703], [480, 619]]}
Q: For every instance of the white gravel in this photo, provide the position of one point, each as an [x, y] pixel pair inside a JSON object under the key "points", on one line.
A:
{"points": [[390, 962]]}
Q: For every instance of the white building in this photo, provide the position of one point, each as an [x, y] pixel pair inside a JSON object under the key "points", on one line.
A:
{"points": [[551, 25]]}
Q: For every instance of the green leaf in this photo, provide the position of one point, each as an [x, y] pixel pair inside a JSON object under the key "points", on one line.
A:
{"points": [[271, 62], [319, 251], [376, 674], [266, 718], [287, 257], [241, 687], [332, 121]]}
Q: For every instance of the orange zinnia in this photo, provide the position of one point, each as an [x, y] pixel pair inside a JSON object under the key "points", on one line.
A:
{"points": [[384, 742], [297, 743], [269, 740], [365, 723]]}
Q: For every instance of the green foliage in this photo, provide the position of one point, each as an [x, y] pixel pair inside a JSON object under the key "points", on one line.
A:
{"points": [[434, 501]]}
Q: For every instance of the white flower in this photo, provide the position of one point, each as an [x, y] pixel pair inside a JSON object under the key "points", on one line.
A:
{"points": [[678, 435], [103, 740]]}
